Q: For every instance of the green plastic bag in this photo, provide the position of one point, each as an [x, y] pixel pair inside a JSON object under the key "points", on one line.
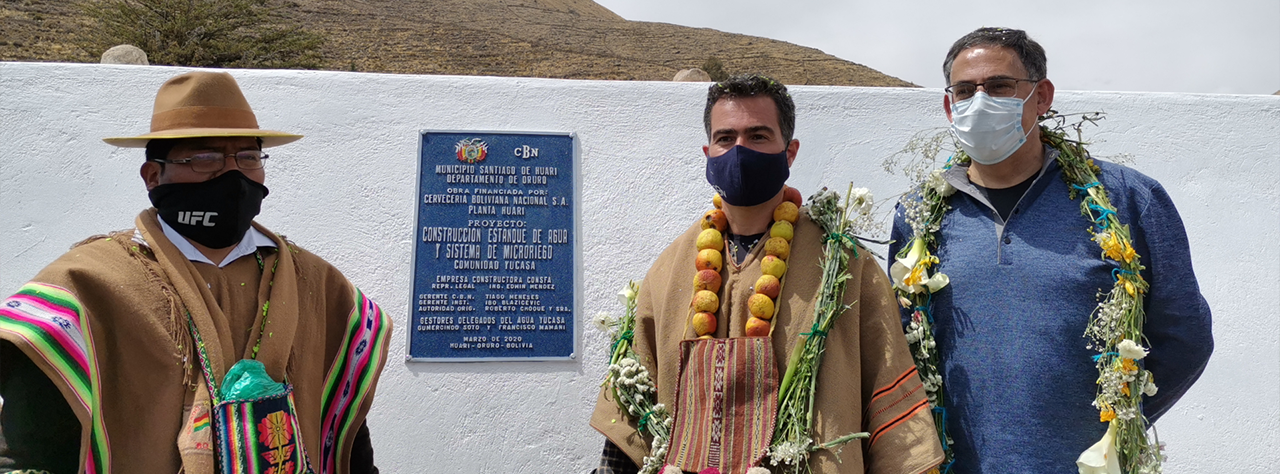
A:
{"points": [[248, 380]]}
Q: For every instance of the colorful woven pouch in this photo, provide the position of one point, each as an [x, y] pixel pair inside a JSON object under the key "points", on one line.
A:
{"points": [[259, 436], [726, 404]]}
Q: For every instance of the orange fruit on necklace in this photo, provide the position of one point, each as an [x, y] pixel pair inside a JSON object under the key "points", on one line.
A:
{"points": [[757, 327]]}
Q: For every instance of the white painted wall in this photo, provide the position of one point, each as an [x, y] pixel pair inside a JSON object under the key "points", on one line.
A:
{"points": [[346, 192]]}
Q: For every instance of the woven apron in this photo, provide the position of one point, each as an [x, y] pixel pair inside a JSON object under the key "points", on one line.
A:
{"points": [[726, 404]]}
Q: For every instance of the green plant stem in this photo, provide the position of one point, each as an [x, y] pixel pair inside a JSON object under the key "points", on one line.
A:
{"points": [[841, 440], [793, 361]]}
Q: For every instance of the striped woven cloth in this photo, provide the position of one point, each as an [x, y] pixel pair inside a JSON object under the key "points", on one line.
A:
{"points": [[726, 404]]}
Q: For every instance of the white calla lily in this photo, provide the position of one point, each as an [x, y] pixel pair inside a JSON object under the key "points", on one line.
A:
{"points": [[626, 295], [902, 267], [937, 282], [1101, 458], [910, 273]]}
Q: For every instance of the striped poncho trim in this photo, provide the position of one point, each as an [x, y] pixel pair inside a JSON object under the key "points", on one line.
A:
{"points": [[51, 321], [351, 378]]}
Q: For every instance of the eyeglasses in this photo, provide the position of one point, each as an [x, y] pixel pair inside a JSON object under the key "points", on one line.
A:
{"points": [[213, 161], [1001, 87]]}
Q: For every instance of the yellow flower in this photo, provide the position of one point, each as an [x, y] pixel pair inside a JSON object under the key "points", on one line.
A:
{"points": [[1128, 253], [916, 276], [1115, 247], [1124, 389], [1107, 414], [1129, 366], [1111, 246], [1128, 286], [1130, 283]]}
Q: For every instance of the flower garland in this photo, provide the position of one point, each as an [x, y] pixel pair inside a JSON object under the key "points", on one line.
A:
{"points": [[1114, 328], [629, 381], [915, 286], [706, 282], [793, 434]]}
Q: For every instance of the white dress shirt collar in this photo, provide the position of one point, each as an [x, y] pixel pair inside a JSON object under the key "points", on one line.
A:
{"points": [[253, 238]]}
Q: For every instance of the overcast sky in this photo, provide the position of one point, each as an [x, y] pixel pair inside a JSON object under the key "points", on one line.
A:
{"points": [[1210, 46]]}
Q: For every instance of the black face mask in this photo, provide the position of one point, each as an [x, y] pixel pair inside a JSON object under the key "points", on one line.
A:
{"points": [[214, 213], [745, 177]]}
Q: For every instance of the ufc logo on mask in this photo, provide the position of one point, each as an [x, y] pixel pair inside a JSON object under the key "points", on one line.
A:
{"points": [[196, 218]]}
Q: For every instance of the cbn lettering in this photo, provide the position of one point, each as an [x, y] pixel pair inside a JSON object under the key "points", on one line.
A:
{"points": [[526, 152]]}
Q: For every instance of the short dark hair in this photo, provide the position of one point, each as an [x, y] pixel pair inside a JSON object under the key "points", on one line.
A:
{"points": [[1027, 49], [158, 148], [751, 85]]}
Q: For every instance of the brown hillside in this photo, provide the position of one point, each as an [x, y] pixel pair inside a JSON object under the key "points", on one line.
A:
{"points": [[576, 39]]}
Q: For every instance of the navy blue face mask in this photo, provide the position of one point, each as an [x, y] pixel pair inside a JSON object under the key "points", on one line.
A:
{"points": [[745, 177]]}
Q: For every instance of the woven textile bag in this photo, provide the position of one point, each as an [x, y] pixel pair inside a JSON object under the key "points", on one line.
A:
{"points": [[726, 404]]}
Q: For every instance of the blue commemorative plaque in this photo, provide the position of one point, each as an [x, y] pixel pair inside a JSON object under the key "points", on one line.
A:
{"points": [[494, 268]]}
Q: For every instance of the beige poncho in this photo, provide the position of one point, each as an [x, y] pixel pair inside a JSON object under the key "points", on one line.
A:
{"points": [[107, 323], [867, 381]]}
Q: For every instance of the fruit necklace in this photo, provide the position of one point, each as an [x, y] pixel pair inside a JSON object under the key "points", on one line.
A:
{"points": [[711, 246]]}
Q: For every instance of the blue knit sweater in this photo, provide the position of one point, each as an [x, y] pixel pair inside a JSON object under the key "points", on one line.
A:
{"points": [[1010, 325]]}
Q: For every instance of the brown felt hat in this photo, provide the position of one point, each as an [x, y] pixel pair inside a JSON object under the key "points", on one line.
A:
{"points": [[203, 104]]}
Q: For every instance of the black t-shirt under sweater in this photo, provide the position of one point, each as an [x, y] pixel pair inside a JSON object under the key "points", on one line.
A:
{"points": [[1005, 199]]}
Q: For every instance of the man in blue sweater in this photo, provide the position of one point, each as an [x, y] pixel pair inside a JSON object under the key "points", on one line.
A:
{"points": [[1025, 277]]}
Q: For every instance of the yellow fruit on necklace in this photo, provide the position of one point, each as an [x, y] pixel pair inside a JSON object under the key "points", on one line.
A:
{"points": [[705, 301], [709, 259], [704, 323], [787, 211], [707, 280], [710, 239], [715, 219], [777, 247], [768, 285], [791, 194], [772, 265], [760, 306], [757, 327], [782, 229]]}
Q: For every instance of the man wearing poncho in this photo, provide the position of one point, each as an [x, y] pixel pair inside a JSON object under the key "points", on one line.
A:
{"points": [[112, 352], [867, 381], [1024, 277]]}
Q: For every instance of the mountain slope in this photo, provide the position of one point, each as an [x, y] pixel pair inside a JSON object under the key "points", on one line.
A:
{"points": [[575, 39]]}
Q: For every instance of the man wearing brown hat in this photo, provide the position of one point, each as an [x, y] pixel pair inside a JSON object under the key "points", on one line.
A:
{"points": [[198, 341]]}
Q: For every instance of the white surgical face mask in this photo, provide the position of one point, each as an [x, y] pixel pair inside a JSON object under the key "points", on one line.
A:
{"points": [[989, 129]]}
